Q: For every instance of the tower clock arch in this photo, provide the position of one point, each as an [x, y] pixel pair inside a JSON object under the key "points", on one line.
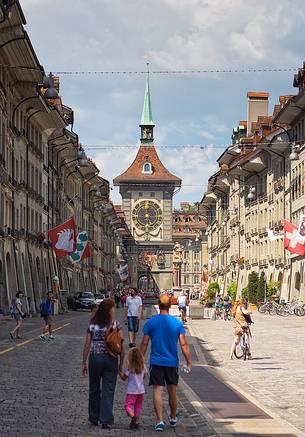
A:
{"points": [[147, 190]]}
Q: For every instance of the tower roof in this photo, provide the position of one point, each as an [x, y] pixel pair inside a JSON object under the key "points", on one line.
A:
{"points": [[159, 174], [146, 119]]}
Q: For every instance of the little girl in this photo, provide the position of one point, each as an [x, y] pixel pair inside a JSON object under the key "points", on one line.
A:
{"points": [[134, 373]]}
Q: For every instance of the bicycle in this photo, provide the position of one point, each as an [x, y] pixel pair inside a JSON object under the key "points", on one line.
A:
{"points": [[227, 313], [182, 312], [243, 349]]}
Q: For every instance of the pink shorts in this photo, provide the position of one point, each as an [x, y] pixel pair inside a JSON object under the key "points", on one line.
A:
{"points": [[133, 404]]}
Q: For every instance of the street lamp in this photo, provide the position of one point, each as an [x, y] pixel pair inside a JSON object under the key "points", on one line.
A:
{"points": [[48, 83], [251, 195], [294, 155]]}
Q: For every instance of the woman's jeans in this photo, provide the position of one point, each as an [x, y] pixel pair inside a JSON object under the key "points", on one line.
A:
{"points": [[102, 367]]}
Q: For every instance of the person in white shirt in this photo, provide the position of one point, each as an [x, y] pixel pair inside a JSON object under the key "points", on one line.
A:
{"points": [[133, 313], [182, 302]]}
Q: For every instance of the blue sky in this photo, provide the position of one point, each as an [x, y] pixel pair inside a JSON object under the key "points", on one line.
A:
{"points": [[177, 34]]}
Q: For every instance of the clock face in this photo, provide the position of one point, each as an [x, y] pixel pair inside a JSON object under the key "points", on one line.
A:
{"points": [[147, 215]]}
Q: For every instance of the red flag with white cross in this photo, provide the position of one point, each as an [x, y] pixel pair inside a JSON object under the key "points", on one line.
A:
{"points": [[292, 240], [63, 238]]}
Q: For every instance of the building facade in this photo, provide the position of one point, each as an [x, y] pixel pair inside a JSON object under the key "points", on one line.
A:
{"points": [[45, 178], [259, 183], [147, 189], [189, 231]]}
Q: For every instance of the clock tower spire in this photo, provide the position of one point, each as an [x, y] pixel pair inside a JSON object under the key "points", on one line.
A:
{"points": [[147, 125]]}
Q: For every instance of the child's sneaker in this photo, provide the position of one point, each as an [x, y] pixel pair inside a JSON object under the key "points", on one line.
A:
{"points": [[42, 337], [173, 422], [160, 427], [51, 337]]}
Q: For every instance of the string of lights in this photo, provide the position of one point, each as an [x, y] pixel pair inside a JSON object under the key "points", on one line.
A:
{"points": [[158, 72]]}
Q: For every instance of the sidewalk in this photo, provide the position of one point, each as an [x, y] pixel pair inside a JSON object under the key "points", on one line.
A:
{"points": [[223, 397]]}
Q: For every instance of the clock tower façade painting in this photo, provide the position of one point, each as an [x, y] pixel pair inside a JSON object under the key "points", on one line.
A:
{"points": [[147, 189]]}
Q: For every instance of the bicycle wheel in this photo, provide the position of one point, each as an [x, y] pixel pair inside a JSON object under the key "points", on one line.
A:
{"points": [[285, 311], [228, 315], [272, 310], [299, 311], [239, 351], [262, 309]]}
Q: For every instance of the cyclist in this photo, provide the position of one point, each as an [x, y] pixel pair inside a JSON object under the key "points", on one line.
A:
{"points": [[226, 306], [218, 306], [182, 303], [242, 319]]}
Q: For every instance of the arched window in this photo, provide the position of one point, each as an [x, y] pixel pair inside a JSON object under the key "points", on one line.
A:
{"points": [[147, 168]]}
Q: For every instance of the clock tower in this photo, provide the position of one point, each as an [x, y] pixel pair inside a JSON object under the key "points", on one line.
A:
{"points": [[147, 189]]}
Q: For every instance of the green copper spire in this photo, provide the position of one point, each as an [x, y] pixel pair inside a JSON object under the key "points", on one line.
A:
{"points": [[147, 125], [146, 119]]}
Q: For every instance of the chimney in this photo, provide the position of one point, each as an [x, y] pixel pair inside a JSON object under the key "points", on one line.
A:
{"points": [[257, 105]]}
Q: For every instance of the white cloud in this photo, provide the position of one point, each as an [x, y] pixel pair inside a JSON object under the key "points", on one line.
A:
{"points": [[189, 109]]}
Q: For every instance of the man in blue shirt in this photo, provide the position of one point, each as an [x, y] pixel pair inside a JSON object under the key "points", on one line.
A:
{"points": [[165, 331]]}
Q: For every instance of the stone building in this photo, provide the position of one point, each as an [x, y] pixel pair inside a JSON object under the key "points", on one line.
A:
{"points": [[147, 189], [189, 230], [45, 177], [250, 193]]}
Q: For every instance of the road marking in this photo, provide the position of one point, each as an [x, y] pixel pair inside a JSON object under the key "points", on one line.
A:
{"points": [[6, 350], [30, 340], [61, 327]]}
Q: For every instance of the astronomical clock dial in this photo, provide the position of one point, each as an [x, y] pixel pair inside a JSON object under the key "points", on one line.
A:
{"points": [[147, 215]]}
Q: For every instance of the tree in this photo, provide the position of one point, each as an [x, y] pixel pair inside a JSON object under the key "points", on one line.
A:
{"points": [[261, 287], [231, 290], [245, 293], [252, 287], [212, 289]]}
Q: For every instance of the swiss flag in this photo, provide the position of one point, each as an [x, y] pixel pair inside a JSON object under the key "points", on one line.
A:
{"points": [[63, 238], [292, 239]]}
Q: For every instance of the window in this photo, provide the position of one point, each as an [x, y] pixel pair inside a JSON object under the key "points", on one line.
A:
{"points": [[152, 194], [186, 279], [140, 194], [147, 168], [196, 279]]}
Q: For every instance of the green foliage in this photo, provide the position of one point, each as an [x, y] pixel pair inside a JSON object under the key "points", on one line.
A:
{"points": [[261, 287], [231, 290], [273, 289], [245, 293], [212, 289], [252, 287]]}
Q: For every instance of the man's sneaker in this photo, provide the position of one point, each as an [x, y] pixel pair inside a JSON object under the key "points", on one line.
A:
{"points": [[51, 337], [42, 337], [160, 427], [173, 422]]}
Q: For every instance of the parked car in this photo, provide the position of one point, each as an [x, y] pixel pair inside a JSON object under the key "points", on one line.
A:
{"points": [[84, 300], [99, 298]]}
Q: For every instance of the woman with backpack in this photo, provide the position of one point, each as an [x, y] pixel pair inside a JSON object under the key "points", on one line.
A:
{"points": [[104, 346], [18, 314]]}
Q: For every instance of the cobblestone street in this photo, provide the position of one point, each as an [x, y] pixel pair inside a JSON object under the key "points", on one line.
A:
{"points": [[43, 394], [275, 376]]}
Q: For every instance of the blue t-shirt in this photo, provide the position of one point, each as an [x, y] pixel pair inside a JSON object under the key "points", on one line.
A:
{"points": [[49, 307], [164, 331]]}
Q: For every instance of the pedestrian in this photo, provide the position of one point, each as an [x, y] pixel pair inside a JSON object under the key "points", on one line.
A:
{"points": [[18, 314], [134, 373], [103, 365], [117, 298], [123, 298], [182, 302], [164, 361], [47, 313], [133, 314]]}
